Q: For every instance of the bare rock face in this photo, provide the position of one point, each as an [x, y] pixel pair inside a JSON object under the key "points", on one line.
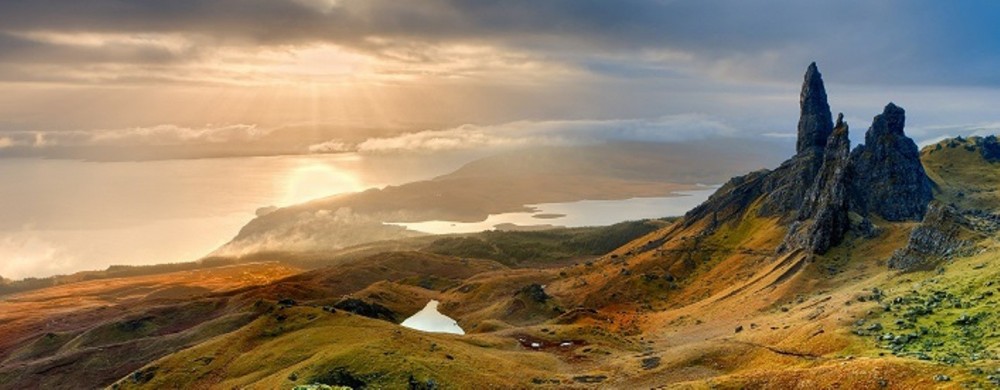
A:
{"points": [[785, 188], [789, 184], [989, 148], [892, 181], [935, 239], [824, 219], [815, 119], [826, 190], [731, 200]]}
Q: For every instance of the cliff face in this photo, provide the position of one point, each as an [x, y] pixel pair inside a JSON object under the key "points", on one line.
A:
{"points": [[823, 219], [789, 184], [817, 190], [888, 165]]}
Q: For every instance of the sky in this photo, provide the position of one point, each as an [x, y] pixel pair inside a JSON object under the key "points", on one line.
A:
{"points": [[118, 79]]}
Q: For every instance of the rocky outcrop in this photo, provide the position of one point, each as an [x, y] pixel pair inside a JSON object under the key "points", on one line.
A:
{"points": [[785, 188], [730, 201], [892, 181], [937, 238], [989, 148], [535, 292], [827, 190], [824, 219], [815, 119], [370, 310], [789, 184]]}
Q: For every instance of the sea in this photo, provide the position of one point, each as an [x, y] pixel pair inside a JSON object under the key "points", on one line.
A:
{"points": [[62, 216]]}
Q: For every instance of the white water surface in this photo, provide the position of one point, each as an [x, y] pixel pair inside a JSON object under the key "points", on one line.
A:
{"points": [[429, 319]]}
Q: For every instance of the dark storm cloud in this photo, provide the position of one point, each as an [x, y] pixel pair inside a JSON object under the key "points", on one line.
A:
{"points": [[884, 42], [24, 50]]}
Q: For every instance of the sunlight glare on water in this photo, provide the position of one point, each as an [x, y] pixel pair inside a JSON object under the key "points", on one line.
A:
{"points": [[314, 180]]}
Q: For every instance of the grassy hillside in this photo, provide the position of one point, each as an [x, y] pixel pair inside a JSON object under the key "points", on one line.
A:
{"points": [[517, 248], [83, 335], [116, 271], [963, 175]]}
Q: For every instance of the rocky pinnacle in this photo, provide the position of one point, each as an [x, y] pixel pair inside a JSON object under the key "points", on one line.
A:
{"points": [[889, 170], [826, 189], [823, 219], [815, 120]]}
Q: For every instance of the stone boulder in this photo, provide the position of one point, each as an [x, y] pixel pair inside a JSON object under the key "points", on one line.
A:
{"points": [[937, 238]]}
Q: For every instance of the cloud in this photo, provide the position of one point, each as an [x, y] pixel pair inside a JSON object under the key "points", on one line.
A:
{"points": [[27, 253], [332, 146], [928, 135], [162, 135], [716, 38], [313, 230], [175, 135], [564, 132], [446, 62]]}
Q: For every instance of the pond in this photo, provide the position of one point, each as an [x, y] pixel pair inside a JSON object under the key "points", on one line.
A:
{"points": [[429, 319]]}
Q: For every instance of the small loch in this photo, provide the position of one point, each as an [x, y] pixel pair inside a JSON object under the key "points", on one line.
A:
{"points": [[429, 319]]}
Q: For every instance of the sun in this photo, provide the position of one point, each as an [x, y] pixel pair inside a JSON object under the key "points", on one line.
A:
{"points": [[316, 180]]}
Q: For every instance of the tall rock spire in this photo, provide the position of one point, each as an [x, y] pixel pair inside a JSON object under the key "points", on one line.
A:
{"points": [[815, 120], [826, 189], [787, 187], [823, 218]]}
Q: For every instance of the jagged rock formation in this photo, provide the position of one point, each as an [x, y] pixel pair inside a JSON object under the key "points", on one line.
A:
{"points": [[731, 200], [789, 183], [888, 166], [826, 189], [824, 218], [815, 121], [989, 148], [787, 186], [938, 237]]}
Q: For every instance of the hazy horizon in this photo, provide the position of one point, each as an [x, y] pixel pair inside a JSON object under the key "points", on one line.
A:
{"points": [[153, 85]]}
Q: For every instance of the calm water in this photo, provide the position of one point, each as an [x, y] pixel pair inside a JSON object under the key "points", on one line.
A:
{"points": [[62, 216], [429, 319], [576, 214]]}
